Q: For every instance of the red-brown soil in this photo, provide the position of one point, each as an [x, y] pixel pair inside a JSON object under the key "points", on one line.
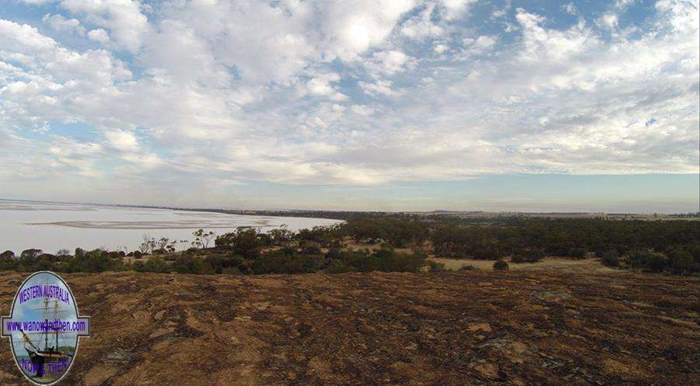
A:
{"points": [[450, 328]]}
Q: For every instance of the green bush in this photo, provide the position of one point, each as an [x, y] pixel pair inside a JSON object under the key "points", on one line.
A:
{"points": [[398, 231], [517, 259], [681, 261], [93, 261], [231, 271], [281, 263], [577, 253], [386, 260], [610, 258], [8, 264], [310, 248], [188, 264], [390, 261], [500, 265], [436, 267], [138, 266], [7, 255], [648, 260], [338, 266], [334, 254], [245, 242], [224, 263], [156, 264], [528, 256]]}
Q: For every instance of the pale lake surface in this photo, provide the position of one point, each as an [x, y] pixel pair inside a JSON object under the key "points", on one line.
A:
{"points": [[53, 226]]}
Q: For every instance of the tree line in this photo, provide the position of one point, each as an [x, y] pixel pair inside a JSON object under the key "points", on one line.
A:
{"points": [[398, 243]]}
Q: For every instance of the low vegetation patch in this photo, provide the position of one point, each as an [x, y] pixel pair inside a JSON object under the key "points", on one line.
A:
{"points": [[500, 265]]}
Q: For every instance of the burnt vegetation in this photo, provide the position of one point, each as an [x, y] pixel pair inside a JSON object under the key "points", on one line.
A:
{"points": [[395, 243]]}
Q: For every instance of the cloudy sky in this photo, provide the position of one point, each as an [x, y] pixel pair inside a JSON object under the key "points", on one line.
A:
{"points": [[394, 104]]}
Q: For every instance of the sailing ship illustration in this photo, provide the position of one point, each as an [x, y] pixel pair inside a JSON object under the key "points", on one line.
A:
{"points": [[52, 354]]}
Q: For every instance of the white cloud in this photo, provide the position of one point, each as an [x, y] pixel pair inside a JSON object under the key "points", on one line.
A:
{"points": [[440, 48], [22, 38], [609, 20], [570, 8], [388, 62], [354, 27], [146, 161], [379, 87], [60, 23], [541, 43], [340, 93], [322, 85], [122, 140], [421, 26], [66, 153], [99, 35], [456, 8], [362, 110], [123, 18], [623, 3], [479, 45]]}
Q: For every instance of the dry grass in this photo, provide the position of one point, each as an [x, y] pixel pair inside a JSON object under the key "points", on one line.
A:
{"points": [[549, 263]]}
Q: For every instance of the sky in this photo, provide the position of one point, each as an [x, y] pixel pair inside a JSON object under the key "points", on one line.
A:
{"points": [[360, 105]]}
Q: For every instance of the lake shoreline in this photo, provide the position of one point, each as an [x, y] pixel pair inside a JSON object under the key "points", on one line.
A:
{"points": [[52, 226]]}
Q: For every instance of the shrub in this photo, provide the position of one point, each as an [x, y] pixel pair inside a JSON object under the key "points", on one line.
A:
{"points": [[517, 259], [30, 254], [156, 264], [577, 253], [137, 266], [334, 254], [223, 264], [231, 271], [280, 263], [244, 241], [436, 267], [324, 236], [310, 248], [610, 258], [390, 261], [694, 250], [360, 261], [528, 256], [7, 255], [280, 236], [93, 261], [79, 252], [8, 261], [647, 260], [500, 265], [386, 260], [657, 262], [188, 264], [337, 266], [681, 261]]}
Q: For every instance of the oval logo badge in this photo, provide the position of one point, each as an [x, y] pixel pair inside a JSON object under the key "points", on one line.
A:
{"points": [[44, 328]]}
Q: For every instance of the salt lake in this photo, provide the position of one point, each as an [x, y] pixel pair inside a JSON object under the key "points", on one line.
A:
{"points": [[52, 226]]}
